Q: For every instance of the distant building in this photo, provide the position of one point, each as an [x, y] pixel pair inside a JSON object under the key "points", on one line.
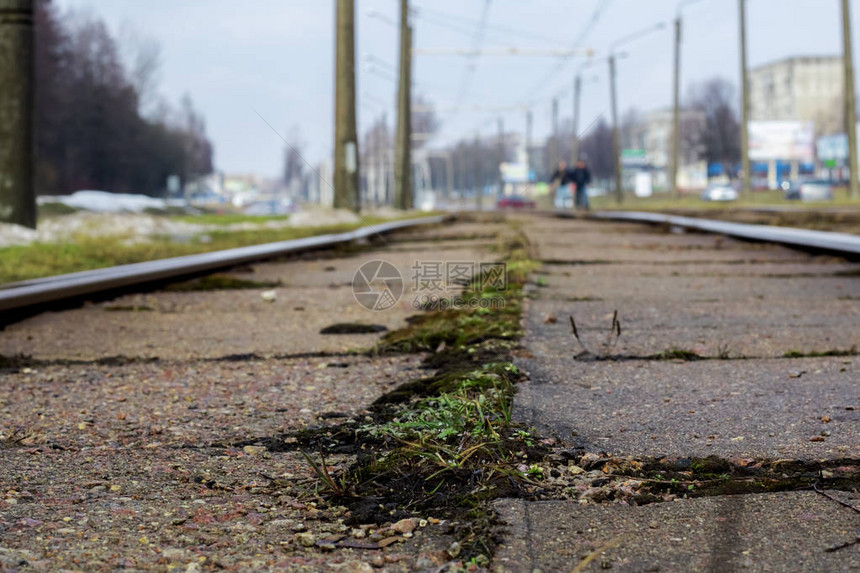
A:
{"points": [[808, 88], [647, 146]]}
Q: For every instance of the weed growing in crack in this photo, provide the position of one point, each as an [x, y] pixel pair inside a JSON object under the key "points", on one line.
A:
{"points": [[606, 347], [836, 352], [446, 443], [678, 354]]}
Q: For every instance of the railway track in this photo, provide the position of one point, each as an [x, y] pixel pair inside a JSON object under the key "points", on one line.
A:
{"points": [[28, 297], [841, 244]]}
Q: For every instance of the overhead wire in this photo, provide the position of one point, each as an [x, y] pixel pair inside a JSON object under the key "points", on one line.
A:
{"points": [[472, 64], [444, 19], [593, 20]]}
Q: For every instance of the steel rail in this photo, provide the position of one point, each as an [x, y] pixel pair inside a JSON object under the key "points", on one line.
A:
{"points": [[43, 291], [836, 243]]}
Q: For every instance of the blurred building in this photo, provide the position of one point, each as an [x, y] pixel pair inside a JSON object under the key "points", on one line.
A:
{"points": [[807, 88], [647, 148], [320, 190]]}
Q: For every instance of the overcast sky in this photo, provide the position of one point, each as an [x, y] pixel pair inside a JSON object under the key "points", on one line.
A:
{"points": [[276, 57]]}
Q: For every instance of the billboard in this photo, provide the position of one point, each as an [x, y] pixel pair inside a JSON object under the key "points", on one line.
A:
{"points": [[786, 140], [835, 147], [515, 173]]}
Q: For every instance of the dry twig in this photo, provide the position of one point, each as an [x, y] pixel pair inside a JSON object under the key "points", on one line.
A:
{"points": [[595, 554]]}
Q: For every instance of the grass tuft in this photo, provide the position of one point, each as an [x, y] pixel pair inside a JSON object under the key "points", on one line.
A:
{"points": [[446, 443], [836, 352]]}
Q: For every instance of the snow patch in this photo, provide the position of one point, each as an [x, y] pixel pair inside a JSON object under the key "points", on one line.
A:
{"points": [[104, 202]]}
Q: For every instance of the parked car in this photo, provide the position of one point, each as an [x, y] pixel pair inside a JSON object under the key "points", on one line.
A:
{"points": [[515, 202], [816, 190], [790, 189], [719, 192]]}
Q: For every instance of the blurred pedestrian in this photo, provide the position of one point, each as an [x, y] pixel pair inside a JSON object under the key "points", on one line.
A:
{"points": [[580, 176], [561, 178]]}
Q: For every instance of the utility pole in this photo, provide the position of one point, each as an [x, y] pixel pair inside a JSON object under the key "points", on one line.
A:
{"points": [[479, 180], [347, 192], [449, 179], [529, 122], [556, 153], [403, 146], [675, 161], [745, 104], [850, 100], [383, 164], [616, 135], [577, 92], [676, 114], [17, 141], [501, 154]]}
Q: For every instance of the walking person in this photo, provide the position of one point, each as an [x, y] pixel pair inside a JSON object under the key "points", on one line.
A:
{"points": [[581, 178], [562, 178]]}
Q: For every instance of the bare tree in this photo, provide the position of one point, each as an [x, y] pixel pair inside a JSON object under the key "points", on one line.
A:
{"points": [[424, 122], [143, 60], [597, 149], [632, 129], [294, 165], [90, 132], [721, 137]]}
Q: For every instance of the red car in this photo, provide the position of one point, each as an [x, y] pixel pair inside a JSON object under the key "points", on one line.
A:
{"points": [[515, 202]]}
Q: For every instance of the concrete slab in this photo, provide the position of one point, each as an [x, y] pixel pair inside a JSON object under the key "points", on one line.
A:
{"points": [[645, 407], [780, 532], [728, 408], [192, 325], [741, 328], [180, 404], [710, 295]]}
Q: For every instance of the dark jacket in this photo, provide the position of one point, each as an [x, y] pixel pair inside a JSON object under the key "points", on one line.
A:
{"points": [[580, 176], [563, 177]]}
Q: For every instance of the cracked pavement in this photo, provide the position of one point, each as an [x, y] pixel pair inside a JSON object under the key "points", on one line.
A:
{"points": [[741, 306]]}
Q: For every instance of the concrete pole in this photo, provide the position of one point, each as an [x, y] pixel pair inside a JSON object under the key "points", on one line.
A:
{"points": [[745, 104], [17, 138], [616, 132], [556, 153], [501, 156], [577, 92], [449, 168], [403, 144], [850, 100], [409, 197], [675, 161], [529, 124], [346, 181], [381, 151], [479, 180]]}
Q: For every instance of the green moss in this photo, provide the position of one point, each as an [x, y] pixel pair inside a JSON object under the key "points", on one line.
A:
{"points": [[228, 218], [678, 354], [445, 443], [836, 352]]}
